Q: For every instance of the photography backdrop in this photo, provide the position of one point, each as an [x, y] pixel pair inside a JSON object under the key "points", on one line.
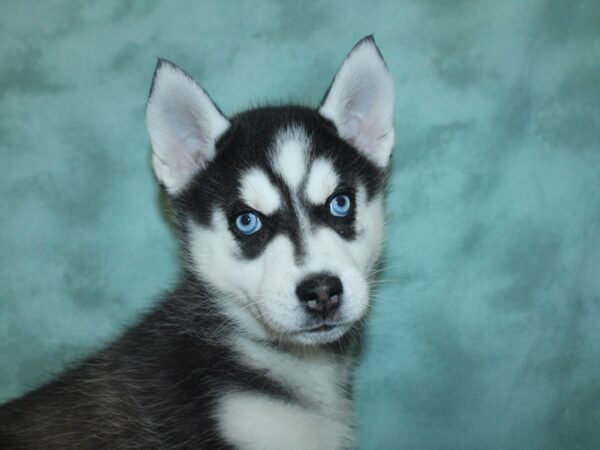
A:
{"points": [[485, 333]]}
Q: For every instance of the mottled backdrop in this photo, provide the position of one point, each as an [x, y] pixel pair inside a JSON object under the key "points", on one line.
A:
{"points": [[486, 331]]}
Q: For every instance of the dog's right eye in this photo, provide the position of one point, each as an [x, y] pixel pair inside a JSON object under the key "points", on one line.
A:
{"points": [[248, 223]]}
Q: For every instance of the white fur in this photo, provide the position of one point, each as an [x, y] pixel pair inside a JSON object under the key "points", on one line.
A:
{"points": [[361, 103], [251, 421], [246, 284], [257, 191], [311, 373], [328, 252], [370, 226], [261, 291], [321, 418], [322, 181], [266, 285], [291, 148], [183, 124]]}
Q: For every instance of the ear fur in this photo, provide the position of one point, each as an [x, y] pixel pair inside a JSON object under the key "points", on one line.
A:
{"points": [[360, 102], [183, 124]]}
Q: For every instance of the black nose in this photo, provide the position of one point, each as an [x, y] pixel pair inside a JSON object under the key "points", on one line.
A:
{"points": [[320, 293]]}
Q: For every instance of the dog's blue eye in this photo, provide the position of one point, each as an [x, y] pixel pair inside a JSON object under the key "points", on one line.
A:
{"points": [[339, 206], [248, 223]]}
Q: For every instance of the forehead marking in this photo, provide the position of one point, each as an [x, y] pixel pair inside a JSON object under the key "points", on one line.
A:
{"points": [[290, 151], [258, 192], [322, 181]]}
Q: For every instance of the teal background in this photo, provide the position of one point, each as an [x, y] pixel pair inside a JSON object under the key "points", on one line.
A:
{"points": [[486, 331]]}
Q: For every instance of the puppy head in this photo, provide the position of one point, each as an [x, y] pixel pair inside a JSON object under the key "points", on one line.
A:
{"points": [[282, 207]]}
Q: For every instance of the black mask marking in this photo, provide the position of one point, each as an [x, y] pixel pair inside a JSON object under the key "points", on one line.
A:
{"points": [[248, 143]]}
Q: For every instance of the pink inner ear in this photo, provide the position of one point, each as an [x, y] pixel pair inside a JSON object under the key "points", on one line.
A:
{"points": [[358, 131], [196, 151], [360, 102], [183, 123]]}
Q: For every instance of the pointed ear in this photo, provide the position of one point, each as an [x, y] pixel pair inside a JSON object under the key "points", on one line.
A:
{"points": [[360, 102], [183, 124]]}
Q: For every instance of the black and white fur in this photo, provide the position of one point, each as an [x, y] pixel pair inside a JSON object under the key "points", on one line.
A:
{"points": [[235, 357]]}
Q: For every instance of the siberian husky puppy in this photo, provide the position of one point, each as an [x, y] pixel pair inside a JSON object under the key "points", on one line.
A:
{"points": [[281, 215]]}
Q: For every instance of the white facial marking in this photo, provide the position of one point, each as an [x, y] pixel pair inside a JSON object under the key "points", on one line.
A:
{"points": [[260, 292], [258, 192], [328, 252], [250, 287], [291, 147], [322, 181], [370, 227]]}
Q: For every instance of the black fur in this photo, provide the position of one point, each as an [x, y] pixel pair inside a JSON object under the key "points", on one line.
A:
{"points": [[246, 143], [153, 388]]}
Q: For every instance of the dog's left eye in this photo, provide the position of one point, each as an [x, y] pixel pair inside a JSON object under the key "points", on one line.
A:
{"points": [[339, 206], [248, 223]]}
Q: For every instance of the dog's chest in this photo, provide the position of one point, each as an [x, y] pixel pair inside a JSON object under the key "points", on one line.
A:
{"points": [[319, 416]]}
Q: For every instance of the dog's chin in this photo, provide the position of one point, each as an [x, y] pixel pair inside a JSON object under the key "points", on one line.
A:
{"points": [[323, 334], [314, 334], [310, 331]]}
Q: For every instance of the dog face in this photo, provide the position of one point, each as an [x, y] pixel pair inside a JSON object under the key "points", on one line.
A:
{"points": [[282, 207]]}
